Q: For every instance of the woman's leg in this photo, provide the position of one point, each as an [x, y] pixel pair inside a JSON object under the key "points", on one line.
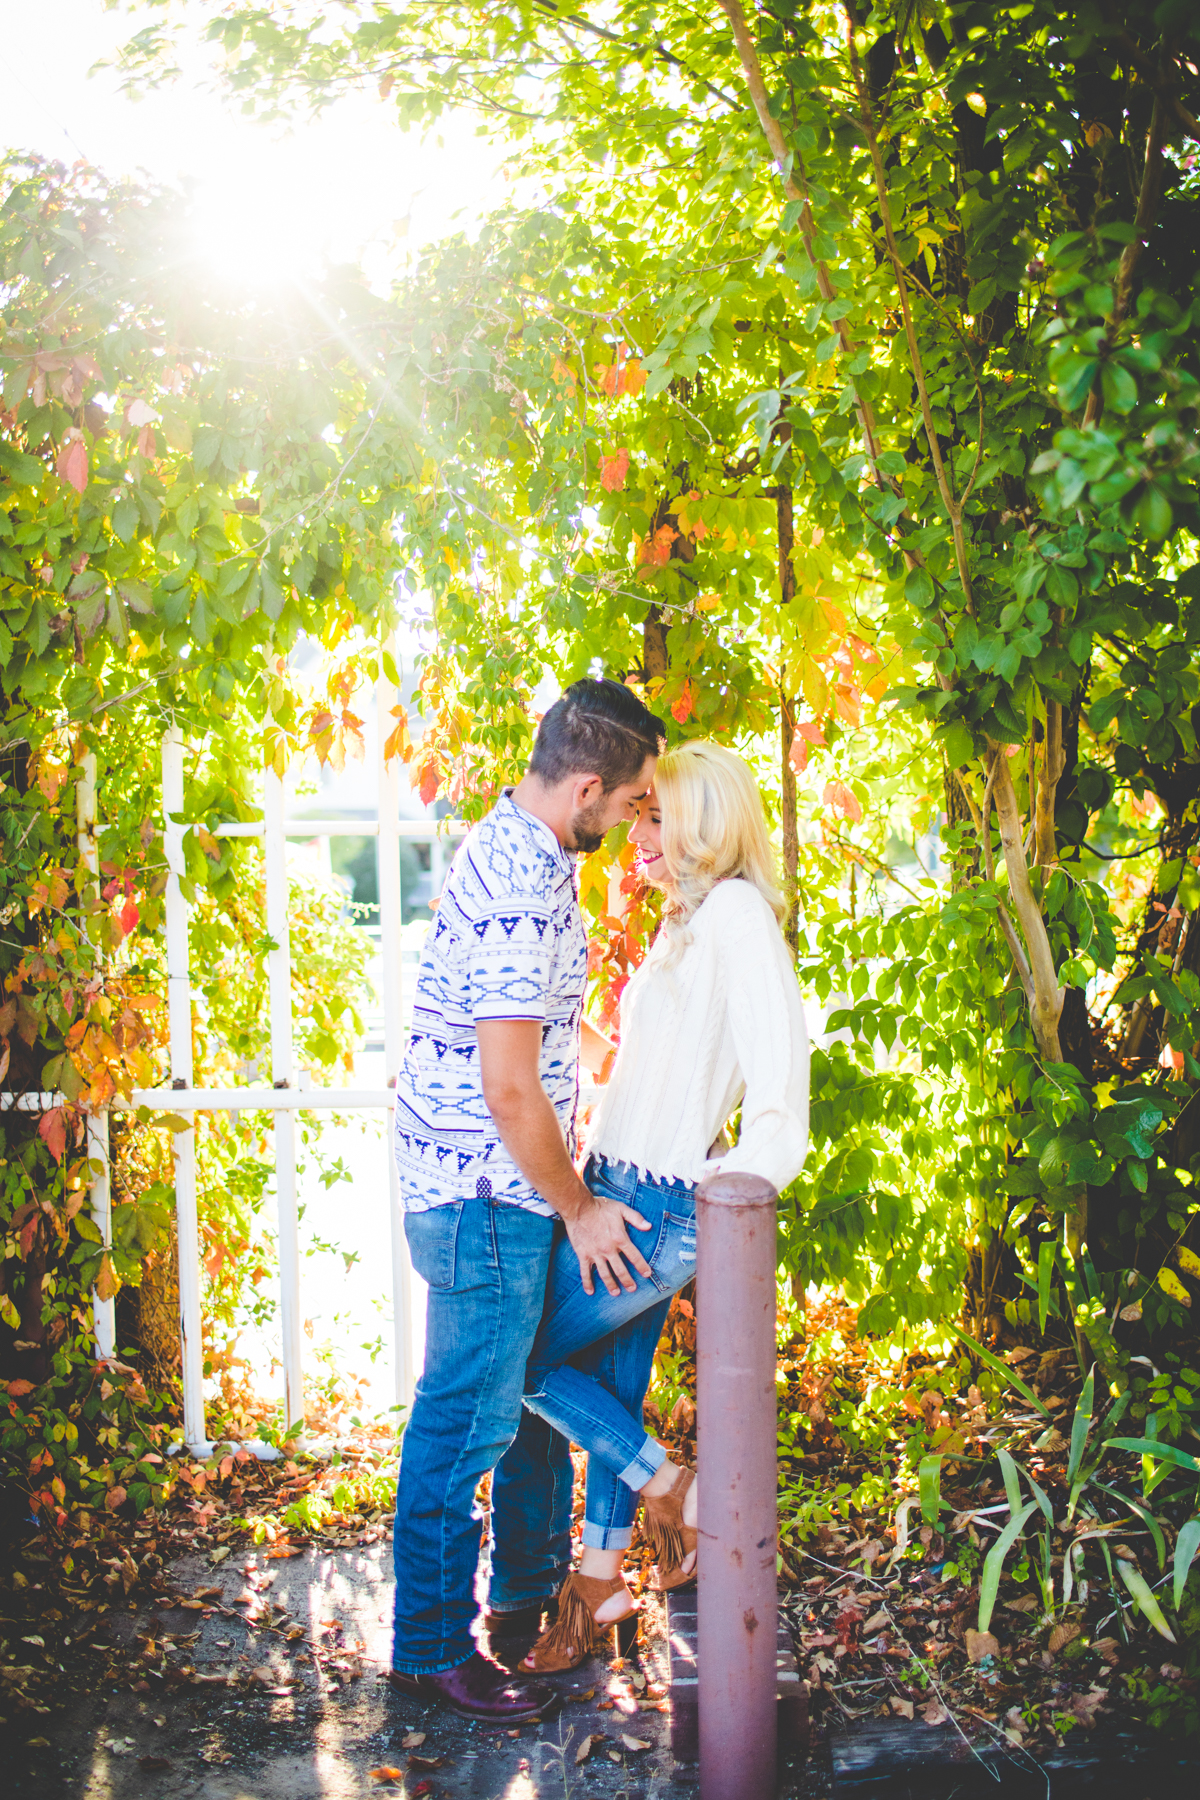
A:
{"points": [[560, 1386]]}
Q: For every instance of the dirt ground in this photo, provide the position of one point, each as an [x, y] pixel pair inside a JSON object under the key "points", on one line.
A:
{"points": [[267, 1686]]}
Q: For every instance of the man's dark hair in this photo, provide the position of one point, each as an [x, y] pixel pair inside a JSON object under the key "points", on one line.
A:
{"points": [[596, 728]]}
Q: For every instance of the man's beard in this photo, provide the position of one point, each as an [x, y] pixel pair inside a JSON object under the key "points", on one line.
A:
{"points": [[585, 833]]}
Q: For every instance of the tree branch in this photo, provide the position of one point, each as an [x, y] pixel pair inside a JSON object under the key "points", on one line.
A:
{"points": [[1046, 996], [1053, 763], [1147, 211], [797, 190], [953, 507]]}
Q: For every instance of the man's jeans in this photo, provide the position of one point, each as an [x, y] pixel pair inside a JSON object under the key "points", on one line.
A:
{"points": [[587, 1377], [486, 1264]]}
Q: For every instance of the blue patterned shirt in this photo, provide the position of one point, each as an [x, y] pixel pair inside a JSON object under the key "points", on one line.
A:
{"points": [[507, 942]]}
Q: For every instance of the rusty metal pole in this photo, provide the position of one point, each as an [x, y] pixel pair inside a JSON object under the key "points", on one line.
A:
{"points": [[738, 1604]]}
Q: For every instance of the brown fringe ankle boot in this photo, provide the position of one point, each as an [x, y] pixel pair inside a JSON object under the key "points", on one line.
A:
{"points": [[670, 1539], [576, 1634]]}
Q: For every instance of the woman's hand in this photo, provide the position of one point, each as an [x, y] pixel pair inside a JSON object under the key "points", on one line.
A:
{"points": [[600, 1241]]}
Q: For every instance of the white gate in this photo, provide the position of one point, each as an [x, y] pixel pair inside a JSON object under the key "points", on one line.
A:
{"points": [[287, 1096]]}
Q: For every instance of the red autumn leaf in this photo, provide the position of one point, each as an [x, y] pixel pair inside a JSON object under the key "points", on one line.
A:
{"points": [[608, 376], [613, 471], [839, 796], [428, 780], [147, 444], [17, 1388], [681, 711], [73, 460], [115, 1497], [129, 916], [808, 733], [52, 1129], [654, 552]]}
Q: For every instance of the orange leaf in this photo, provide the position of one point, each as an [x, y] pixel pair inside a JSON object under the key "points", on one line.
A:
{"points": [[115, 1497], [73, 460], [385, 1772], [839, 796], [17, 1388], [613, 471], [634, 378], [681, 711], [147, 444]]}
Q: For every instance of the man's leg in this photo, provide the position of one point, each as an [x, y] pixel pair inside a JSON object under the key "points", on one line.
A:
{"points": [[529, 1537], [486, 1265]]}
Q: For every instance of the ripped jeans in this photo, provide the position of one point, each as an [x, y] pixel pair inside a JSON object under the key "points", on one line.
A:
{"points": [[585, 1382]]}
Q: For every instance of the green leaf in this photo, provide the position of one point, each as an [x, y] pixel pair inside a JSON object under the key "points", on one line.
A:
{"points": [[918, 588], [1012, 1482], [929, 1480], [1186, 1546], [1047, 1256], [993, 1562], [1081, 1425], [1001, 1368], [1144, 1514], [1151, 1447], [26, 471], [1143, 1599]]}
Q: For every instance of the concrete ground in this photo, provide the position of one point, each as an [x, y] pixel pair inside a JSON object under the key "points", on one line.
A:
{"points": [[267, 1686]]}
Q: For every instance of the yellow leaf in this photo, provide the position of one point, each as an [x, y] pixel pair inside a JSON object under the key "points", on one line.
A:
{"points": [[709, 603], [1189, 1262], [1170, 1283]]}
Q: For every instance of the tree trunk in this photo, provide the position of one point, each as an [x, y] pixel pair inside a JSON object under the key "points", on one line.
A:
{"points": [[654, 645]]}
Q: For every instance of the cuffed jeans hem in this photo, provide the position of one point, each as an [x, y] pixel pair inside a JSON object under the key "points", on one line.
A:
{"points": [[606, 1537], [645, 1465], [439, 1668]]}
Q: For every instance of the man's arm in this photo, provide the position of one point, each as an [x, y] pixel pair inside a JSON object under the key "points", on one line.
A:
{"points": [[509, 1054]]}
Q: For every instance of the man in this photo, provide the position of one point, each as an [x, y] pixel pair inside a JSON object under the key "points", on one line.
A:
{"points": [[485, 1109]]}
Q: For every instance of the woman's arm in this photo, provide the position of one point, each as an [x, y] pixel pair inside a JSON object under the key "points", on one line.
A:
{"points": [[766, 1018], [595, 1051]]}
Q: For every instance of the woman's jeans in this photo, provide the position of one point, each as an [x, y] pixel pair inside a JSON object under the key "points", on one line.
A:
{"points": [[587, 1377]]}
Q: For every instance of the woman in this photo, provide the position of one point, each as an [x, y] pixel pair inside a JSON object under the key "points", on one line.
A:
{"points": [[711, 1019]]}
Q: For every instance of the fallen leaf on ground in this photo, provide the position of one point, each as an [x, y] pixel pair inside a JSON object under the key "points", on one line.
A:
{"points": [[588, 1694], [385, 1773], [632, 1743], [1065, 1633], [426, 1762], [903, 1707], [37, 1743], [153, 1762], [586, 1746], [934, 1713], [412, 1740], [219, 1554], [981, 1644], [1086, 1706], [875, 1623]]}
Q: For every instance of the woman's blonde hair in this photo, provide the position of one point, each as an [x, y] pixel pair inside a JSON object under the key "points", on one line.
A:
{"points": [[713, 829]]}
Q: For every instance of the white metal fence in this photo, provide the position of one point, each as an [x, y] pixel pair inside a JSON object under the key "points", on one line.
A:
{"points": [[288, 1094]]}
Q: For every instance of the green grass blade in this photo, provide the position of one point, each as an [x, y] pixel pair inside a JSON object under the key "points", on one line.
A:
{"points": [[1186, 1546], [1081, 1424], [929, 1478], [1012, 1482], [1047, 1256], [993, 1562], [1152, 1447], [1002, 1368], [1039, 1494], [1144, 1514], [1143, 1599]]}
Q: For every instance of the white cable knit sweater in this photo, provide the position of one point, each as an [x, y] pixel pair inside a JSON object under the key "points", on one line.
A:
{"points": [[726, 1023]]}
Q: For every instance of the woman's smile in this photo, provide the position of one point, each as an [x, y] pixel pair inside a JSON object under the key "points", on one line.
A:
{"points": [[646, 833]]}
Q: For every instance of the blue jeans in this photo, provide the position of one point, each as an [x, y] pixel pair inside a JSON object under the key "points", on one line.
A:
{"points": [[587, 1377], [486, 1264]]}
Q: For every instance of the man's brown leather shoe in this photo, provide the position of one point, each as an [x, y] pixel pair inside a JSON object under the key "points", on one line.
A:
{"points": [[477, 1689]]}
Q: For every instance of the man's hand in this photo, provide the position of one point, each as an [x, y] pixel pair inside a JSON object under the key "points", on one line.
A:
{"points": [[600, 1241]]}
